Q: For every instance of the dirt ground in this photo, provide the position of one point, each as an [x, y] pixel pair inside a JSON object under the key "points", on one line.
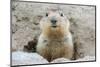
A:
{"points": [[25, 25]]}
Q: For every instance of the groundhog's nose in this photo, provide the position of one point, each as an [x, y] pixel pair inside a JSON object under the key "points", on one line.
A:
{"points": [[53, 21]]}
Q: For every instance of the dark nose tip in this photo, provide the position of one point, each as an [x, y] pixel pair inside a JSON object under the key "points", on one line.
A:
{"points": [[54, 21]]}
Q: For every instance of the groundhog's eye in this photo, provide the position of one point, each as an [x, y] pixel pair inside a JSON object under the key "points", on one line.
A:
{"points": [[46, 14], [61, 14]]}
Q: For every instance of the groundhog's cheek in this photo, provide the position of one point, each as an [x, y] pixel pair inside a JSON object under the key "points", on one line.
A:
{"points": [[62, 24], [45, 25]]}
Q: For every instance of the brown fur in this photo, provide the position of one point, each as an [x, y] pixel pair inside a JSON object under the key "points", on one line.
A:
{"points": [[58, 33], [56, 50], [58, 43]]}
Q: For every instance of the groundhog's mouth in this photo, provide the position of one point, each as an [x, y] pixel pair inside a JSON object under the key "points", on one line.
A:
{"points": [[54, 26]]}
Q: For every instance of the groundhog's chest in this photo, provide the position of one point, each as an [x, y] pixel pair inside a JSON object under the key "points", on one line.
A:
{"points": [[54, 43], [56, 48]]}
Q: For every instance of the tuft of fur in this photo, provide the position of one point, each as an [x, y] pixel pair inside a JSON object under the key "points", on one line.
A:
{"points": [[55, 42]]}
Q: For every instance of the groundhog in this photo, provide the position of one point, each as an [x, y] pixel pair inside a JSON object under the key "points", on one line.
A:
{"points": [[55, 40]]}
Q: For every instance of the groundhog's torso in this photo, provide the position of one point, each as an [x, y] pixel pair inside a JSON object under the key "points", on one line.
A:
{"points": [[55, 48], [55, 40]]}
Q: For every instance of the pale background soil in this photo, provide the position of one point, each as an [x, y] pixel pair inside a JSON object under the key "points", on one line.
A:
{"points": [[25, 25]]}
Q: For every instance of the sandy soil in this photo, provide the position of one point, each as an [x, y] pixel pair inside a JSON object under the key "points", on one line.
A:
{"points": [[25, 25]]}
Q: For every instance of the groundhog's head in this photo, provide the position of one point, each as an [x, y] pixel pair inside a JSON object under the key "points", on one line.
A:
{"points": [[54, 20]]}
